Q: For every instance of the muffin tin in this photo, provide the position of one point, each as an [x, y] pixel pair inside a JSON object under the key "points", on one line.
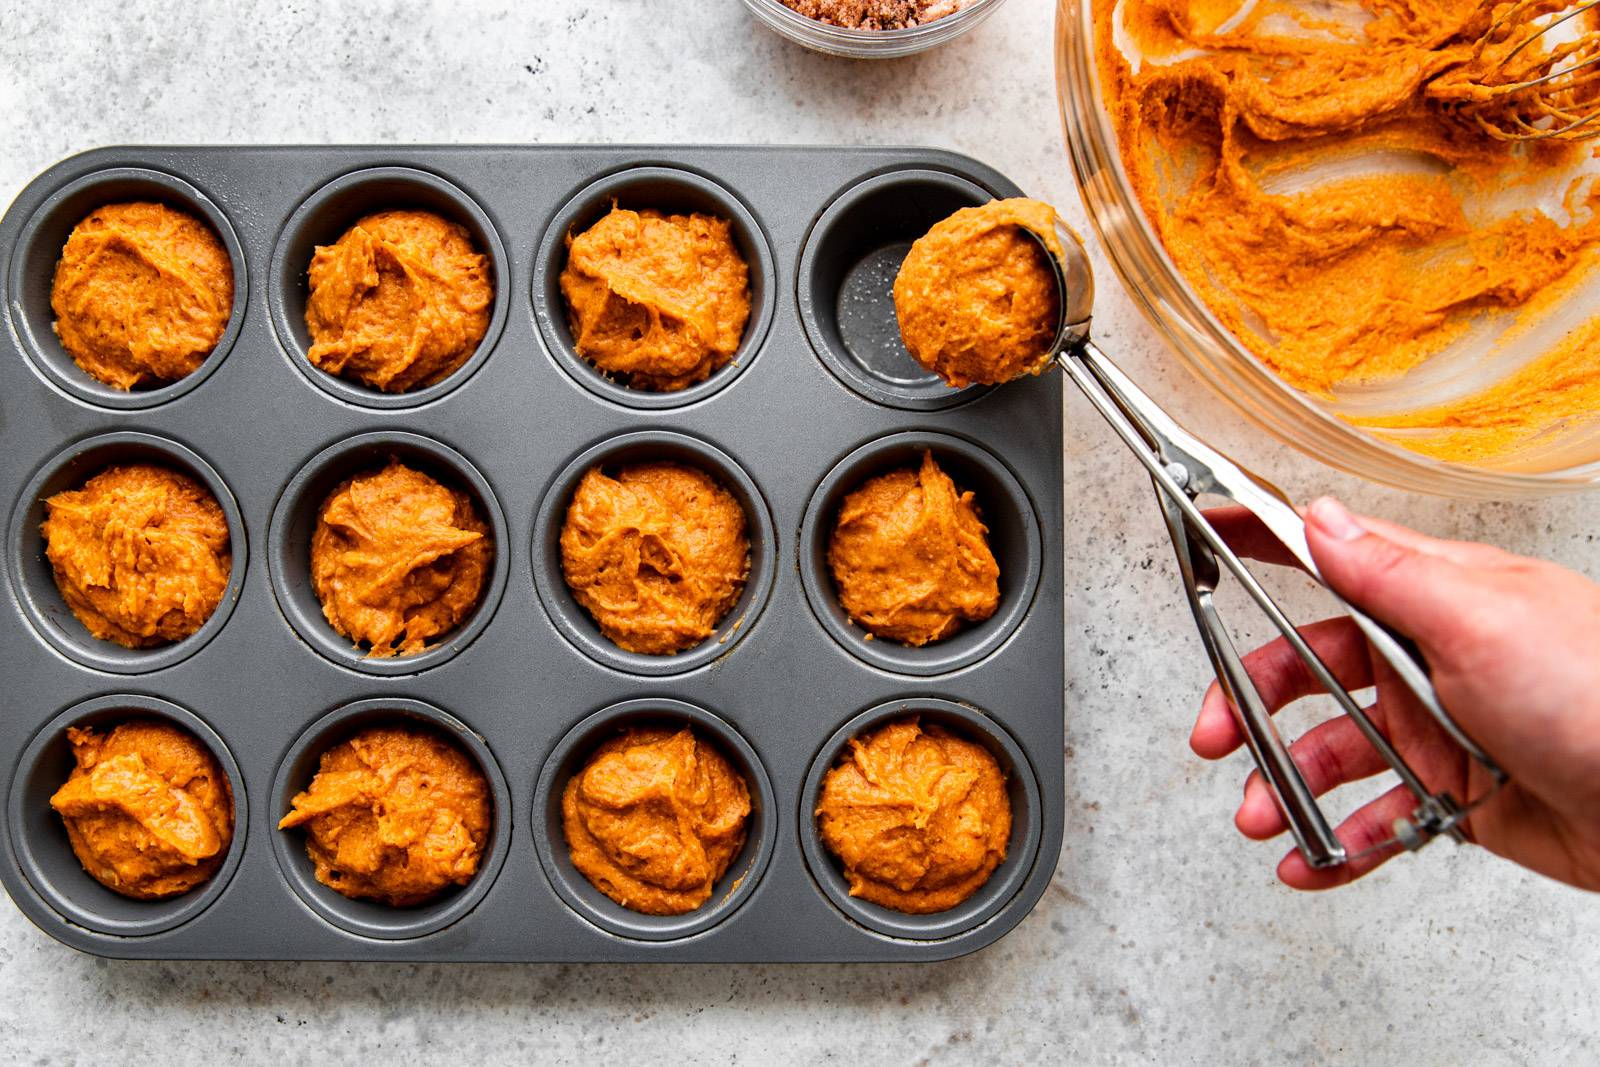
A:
{"points": [[818, 398]]}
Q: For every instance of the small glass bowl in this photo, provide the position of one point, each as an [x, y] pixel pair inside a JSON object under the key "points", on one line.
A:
{"points": [[869, 44]]}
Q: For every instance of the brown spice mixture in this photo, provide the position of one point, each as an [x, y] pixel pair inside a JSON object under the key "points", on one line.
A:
{"points": [[876, 14]]}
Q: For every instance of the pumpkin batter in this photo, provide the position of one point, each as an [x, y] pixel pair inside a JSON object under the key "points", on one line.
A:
{"points": [[655, 818], [658, 300], [399, 302], [919, 817], [141, 554], [398, 559], [1365, 275], [657, 555], [148, 811], [976, 298], [911, 558], [396, 814], [142, 294]]}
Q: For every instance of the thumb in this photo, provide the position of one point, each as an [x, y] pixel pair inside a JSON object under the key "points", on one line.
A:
{"points": [[1420, 593]]}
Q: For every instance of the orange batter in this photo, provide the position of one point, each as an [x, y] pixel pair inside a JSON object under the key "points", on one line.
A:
{"points": [[976, 298], [398, 559], [658, 300], [148, 811], [396, 814], [655, 818], [142, 294], [399, 302], [911, 557], [657, 554], [141, 554], [919, 817], [1363, 277]]}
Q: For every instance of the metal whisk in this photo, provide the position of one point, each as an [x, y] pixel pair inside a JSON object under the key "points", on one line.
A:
{"points": [[1529, 82]]}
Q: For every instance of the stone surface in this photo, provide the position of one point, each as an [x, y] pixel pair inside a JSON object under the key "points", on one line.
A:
{"points": [[1165, 936]]}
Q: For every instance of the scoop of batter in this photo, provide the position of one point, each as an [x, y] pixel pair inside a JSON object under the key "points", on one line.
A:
{"points": [[976, 297], [142, 294], [911, 558], [657, 554], [148, 811], [399, 302], [398, 559], [918, 816], [658, 300], [141, 554], [655, 818], [395, 814]]}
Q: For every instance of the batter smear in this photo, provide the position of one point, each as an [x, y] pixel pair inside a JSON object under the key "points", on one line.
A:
{"points": [[1419, 231]]}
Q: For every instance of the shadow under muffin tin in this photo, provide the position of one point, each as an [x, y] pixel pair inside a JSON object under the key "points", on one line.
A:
{"points": [[819, 397]]}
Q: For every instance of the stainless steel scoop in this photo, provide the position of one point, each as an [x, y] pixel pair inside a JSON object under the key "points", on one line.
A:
{"points": [[1184, 468]]}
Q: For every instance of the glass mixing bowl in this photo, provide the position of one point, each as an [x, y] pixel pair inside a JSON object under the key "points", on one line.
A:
{"points": [[869, 44], [1207, 349]]}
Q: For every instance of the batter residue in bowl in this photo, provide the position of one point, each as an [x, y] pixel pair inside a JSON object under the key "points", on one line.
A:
{"points": [[919, 817], [396, 814], [148, 811], [141, 554], [911, 557], [658, 300], [876, 14], [142, 294], [655, 818], [399, 559], [1330, 193]]}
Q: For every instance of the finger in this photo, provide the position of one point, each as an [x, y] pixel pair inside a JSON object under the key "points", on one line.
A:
{"points": [[1248, 536], [1421, 594], [1370, 824], [1461, 553], [1331, 754], [1281, 678]]}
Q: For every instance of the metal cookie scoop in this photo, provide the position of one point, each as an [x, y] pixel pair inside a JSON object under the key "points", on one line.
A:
{"points": [[1183, 468]]}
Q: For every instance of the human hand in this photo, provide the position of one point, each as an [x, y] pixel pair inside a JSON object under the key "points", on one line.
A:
{"points": [[1514, 649]]}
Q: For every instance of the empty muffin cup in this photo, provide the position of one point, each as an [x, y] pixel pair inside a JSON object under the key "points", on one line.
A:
{"points": [[33, 578], [847, 271], [39, 836], [673, 192], [33, 267], [549, 836], [644, 446], [1004, 507], [366, 917], [294, 521], [1022, 789], [325, 217]]}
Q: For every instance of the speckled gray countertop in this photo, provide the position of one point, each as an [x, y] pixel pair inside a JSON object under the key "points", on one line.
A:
{"points": [[1164, 938]]}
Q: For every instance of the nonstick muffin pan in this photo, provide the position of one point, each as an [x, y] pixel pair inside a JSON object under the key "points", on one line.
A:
{"points": [[819, 397]]}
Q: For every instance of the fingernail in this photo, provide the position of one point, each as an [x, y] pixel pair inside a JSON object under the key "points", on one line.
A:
{"points": [[1334, 520]]}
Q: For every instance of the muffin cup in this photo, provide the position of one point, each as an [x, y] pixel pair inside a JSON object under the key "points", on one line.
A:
{"points": [[324, 218], [294, 520], [33, 578], [1026, 815], [673, 191], [570, 617], [1014, 537], [33, 269], [847, 271], [549, 835], [366, 917], [39, 837]]}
